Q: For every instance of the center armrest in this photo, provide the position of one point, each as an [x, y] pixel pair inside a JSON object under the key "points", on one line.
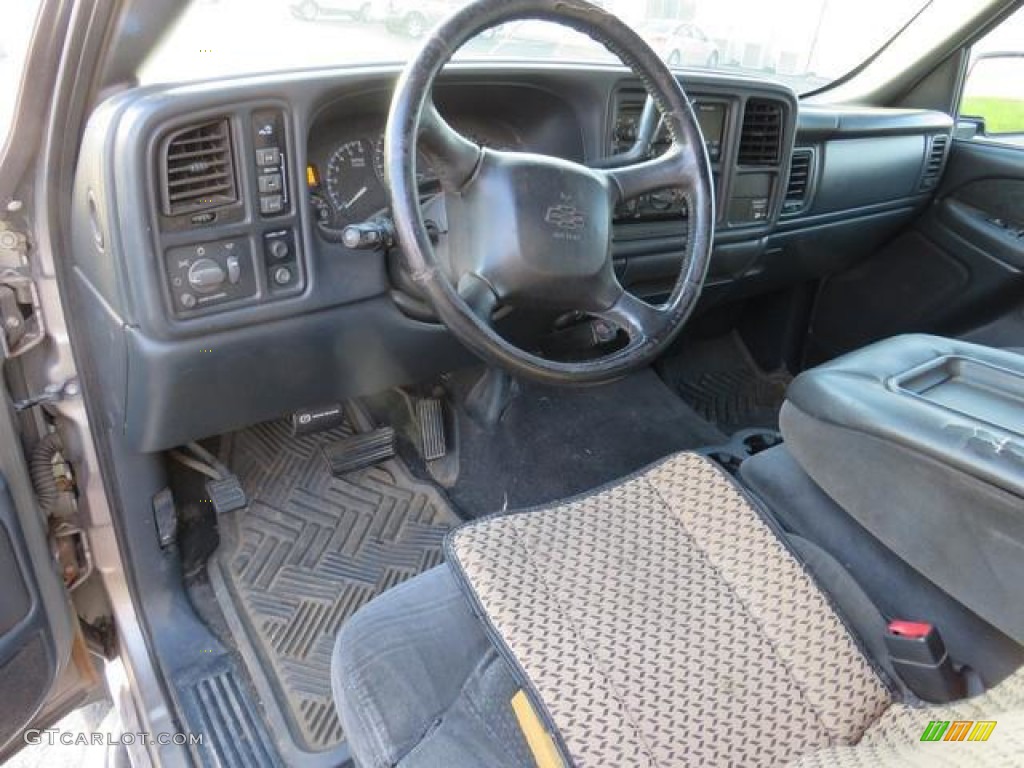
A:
{"points": [[921, 439], [960, 403]]}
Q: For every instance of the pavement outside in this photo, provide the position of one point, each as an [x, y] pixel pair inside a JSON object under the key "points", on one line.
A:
{"points": [[94, 718]]}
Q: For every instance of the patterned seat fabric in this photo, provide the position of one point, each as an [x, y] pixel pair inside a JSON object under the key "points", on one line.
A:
{"points": [[895, 740], [661, 622]]}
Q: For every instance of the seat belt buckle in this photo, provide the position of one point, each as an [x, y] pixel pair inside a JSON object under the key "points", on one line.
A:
{"points": [[920, 659]]}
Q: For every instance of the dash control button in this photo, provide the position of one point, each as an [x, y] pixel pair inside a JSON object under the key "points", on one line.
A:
{"points": [[279, 249], [234, 270], [268, 157], [270, 182], [282, 275], [271, 204], [206, 275]]}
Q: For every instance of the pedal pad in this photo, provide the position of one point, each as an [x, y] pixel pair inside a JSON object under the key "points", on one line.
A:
{"points": [[312, 420], [226, 494], [166, 516], [430, 414], [359, 451]]}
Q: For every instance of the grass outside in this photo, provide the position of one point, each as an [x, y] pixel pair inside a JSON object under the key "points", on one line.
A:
{"points": [[1001, 115]]}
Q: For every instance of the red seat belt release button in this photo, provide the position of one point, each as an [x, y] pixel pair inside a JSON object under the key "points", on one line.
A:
{"points": [[919, 657], [912, 629]]}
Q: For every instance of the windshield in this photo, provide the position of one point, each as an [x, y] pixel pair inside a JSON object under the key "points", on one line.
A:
{"points": [[15, 33], [805, 43]]}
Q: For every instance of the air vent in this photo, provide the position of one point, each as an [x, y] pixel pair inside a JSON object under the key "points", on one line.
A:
{"points": [[799, 185], [629, 105], [761, 141], [935, 162], [198, 171]]}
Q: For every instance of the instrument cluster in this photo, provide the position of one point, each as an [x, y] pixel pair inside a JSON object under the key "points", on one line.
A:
{"points": [[345, 175]]}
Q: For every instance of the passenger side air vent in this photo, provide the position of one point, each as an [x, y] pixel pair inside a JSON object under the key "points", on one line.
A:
{"points": [[761, 141], [935, 162], [197, 169], [799, 186]]}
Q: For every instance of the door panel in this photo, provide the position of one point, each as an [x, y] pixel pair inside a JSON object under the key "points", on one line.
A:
{"points": [[30, 656], [38, 627], [958, 269], [37, 624]]}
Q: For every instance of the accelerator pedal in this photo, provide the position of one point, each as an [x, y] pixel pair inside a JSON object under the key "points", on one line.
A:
{"points": [[359, 451], [430, 414]]}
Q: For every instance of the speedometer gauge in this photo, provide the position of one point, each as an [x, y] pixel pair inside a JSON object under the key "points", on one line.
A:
{"points": [[424, 172], [352, 184]]}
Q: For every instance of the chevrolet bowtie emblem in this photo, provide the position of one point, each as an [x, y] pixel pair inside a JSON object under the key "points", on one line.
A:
{"points": [[566, 215]]}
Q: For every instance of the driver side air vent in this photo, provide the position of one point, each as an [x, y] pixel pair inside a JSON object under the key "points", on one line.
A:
{"points": [[761, 140], [799, 186], [935, 162], [197, 169]]}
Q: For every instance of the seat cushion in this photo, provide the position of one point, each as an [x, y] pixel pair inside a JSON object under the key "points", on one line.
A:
{"points": [[662, 621]]}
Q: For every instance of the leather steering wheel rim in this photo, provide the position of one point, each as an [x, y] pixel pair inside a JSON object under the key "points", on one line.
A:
{"points": [[483, 182]]}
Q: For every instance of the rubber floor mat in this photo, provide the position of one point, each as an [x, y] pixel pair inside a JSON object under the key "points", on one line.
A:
{"points": [[722, 382], [308, 551]]}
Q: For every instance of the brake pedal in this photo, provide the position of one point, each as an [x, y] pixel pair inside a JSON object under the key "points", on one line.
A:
{"points": [[359, 451], [430, 414]]}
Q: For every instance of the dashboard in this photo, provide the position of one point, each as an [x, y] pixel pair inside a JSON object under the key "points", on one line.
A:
{"points": [[205, 220]]}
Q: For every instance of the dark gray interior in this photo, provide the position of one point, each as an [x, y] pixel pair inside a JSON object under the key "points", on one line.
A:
{"points": [[203, 307], [333, 330], [803, 194]]}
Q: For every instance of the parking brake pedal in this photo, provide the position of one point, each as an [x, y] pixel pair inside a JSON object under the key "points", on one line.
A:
{"points": [[226, 494], [222, 486], [430, 414], [359, 451]]}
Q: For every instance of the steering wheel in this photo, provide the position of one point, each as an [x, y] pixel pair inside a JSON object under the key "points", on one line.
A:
{"points": [[534, 230]]}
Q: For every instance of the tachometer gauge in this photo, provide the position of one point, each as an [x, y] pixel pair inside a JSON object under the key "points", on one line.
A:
{"points": [[352, 185]]}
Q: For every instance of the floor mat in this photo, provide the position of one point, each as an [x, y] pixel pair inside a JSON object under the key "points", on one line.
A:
{"points": [[721, 381], [308, 551], [555, 442]]}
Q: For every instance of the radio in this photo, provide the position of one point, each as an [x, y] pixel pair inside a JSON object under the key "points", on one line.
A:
{"points": [[668, 203]]}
